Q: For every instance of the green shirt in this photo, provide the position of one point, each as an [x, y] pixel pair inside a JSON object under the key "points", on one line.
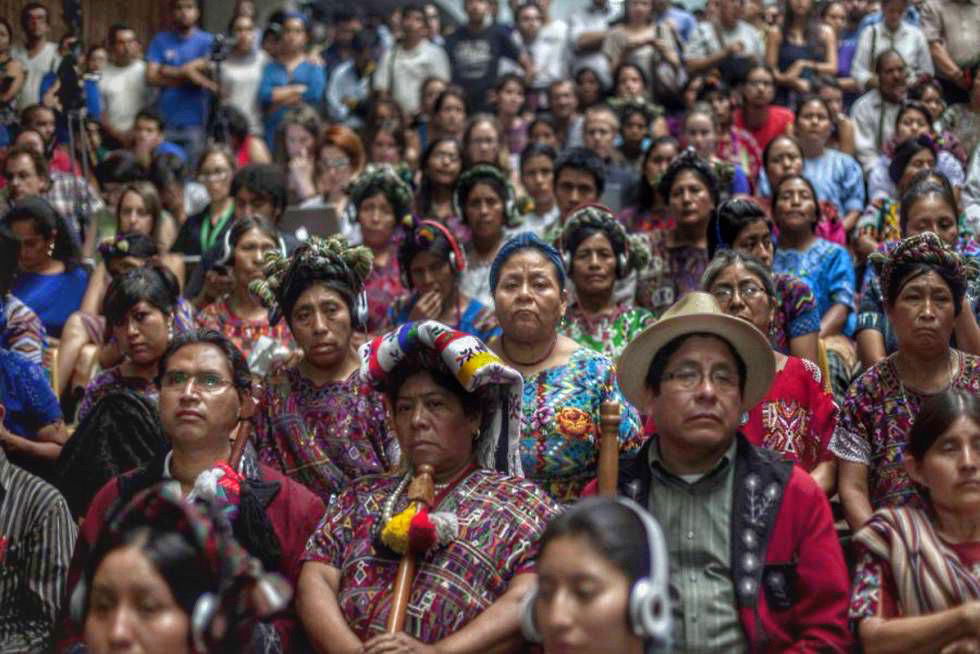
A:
{"points": [[694, 515]]}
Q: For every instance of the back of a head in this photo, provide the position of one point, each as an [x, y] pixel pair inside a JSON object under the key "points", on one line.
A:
{"points": [[120, 433]]}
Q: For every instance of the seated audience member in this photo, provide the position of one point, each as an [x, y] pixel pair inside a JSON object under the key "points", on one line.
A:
{"points": [[700, 132], [139, 309], [758, 115], [742, 226], [205, 393], [963, 119], [580, 178], [882, 404], [432, 265], [598, 252], [239, 315], [456, 408], [565, 383], [537, 167], [615, 547], [772, 577], [120, 432], [599, 132], [205, 229], [51, 279], [648, 211], [207, 593], [317, 422], [21, 330], [797, 416], [148, 140], [874, 112], [914, 589], [38, 535]]}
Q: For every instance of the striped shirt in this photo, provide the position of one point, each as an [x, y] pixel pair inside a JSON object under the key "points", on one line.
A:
{"points": [[21, 331], [37, 536]]}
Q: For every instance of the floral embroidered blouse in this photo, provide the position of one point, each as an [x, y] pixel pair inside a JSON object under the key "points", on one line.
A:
{"points": [[608, 334]]}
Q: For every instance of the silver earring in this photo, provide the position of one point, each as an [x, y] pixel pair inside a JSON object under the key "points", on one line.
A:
{"points": [[744, 419]]}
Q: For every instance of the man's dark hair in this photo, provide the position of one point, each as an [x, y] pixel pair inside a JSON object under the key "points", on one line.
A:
{"points": [[26, 11], [413, 8], [658, 366], [27, 113], [150, 114], [241, 377], [40, 162], [264, 179], [880, 59], [537, 150], [120, 167], [110, 39], [581, 158]]}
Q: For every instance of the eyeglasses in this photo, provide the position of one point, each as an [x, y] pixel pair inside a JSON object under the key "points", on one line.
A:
{"points": [[207, 382], [449, 157], [213, 175], [689, 377], [747, 291], [335, 164], [764, 83]]}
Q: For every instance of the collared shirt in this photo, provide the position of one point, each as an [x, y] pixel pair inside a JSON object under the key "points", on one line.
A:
{"points": [[908, 40], [695, 518], [955, 24], [37, 536], [874, 126]]}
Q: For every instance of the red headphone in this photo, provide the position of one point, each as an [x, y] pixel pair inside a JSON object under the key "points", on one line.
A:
{"points": [[457, 260]]}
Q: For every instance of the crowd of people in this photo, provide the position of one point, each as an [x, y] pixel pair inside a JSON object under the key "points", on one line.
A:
{"points": [[325, 335]]}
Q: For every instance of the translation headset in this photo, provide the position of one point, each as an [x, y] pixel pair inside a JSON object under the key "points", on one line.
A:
{"points": [[228, 252], [457, 260], [622, 258], [649, 600]]}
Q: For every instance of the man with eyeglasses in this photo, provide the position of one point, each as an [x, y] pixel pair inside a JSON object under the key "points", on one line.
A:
{"points": [[754, 555], [205, 397], [758, 115]]}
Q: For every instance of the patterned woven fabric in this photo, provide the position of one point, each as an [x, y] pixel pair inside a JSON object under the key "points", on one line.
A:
{"points": [[560, 429], [113, 380], [796, 313], [323, 436], [827, 268], [608, 334], [501, 519]]}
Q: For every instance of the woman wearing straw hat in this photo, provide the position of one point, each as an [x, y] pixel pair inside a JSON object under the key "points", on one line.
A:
{"points": [[753, 551], [456, 407]]}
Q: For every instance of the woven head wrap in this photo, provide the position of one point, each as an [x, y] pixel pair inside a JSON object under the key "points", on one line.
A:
{"points": [[233, 573], [526, 241], [471, 177], [925, 248], [635, 104], [431, 345], [632, 251], [329, 260], [386, 179]]}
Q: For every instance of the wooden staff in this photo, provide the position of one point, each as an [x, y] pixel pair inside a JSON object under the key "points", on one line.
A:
{"points": [[242, 434], [421, 492], [609, 418]]}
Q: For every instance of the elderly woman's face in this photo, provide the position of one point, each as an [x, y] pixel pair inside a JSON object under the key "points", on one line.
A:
{"points": [[377, 220], [950, 468], [755, 240], [932, 213], [432, 426], [529, 299], [923, 315], [132, 609], [249, 256], [582, 599], [742, 294], [321, 324], [594, 266], [143, 334]]}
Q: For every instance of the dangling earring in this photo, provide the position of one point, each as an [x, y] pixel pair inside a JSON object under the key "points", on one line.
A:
{"points": [[51, 249], [170, 331], [744, 418]]}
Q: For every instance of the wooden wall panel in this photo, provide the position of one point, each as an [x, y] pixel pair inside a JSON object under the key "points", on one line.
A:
{"points": [[146, 17]]}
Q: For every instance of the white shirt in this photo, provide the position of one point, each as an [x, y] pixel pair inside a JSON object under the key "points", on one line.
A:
{"points": [[124, 93], [402, 72], [241, 77], [590, 20], [874, 125], [548, 52], [907, 39], [971, 194], [35, 68], [704, 41]]}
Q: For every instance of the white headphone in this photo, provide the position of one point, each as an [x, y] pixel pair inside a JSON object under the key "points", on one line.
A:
{"points": [[649, 600]]}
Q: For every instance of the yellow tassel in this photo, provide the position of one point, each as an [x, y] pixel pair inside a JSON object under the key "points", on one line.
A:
{"points": [[395, 533]]}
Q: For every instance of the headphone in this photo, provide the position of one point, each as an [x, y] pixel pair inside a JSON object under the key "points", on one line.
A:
{"points": [[359, 312], [228, 251], [457, 260], [649, 600], [622, 259]]}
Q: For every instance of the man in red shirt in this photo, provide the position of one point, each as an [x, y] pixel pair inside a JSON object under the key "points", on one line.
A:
{"points": [[758, 115]]}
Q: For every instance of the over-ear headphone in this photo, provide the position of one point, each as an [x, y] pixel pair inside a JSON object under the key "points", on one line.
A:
{"points": [[649, 601], [457, 260], [622, 259], [359, 312], [228, 252]]}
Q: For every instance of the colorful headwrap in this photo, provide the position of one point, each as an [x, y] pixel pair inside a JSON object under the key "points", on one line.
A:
{"points": [[238, 574], [525, 241], [331, 260], [632, 251], [924, 248], [384, 177], [471, 176], [431, 345], [122, 245], [626, 106]]}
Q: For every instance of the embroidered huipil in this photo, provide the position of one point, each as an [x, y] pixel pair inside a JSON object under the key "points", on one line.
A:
{"points": [[560, 427], [325, 436], [607, 334], [501, 519]]}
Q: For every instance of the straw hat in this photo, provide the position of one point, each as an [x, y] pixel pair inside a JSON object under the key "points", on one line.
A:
{"points": [[698, 312]]}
